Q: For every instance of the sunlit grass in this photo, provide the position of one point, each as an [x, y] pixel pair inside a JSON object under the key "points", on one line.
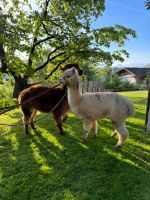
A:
{"points": [[46, 165]]}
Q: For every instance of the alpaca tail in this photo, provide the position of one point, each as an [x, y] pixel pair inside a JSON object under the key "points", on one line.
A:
{"points": [[130, 109]]}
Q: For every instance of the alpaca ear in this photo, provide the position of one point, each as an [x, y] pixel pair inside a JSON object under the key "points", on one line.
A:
{"points": [[74, 70]]}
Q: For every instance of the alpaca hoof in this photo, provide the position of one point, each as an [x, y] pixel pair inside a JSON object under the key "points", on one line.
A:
{"points": [[117, 146], [34, 128], [84, 140], [63, 134], [112, 135]]}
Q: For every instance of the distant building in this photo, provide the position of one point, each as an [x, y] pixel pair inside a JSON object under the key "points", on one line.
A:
{"points": [[133, 74]]}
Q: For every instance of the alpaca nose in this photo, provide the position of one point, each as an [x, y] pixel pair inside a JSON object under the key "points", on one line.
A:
{"points": [[60, 80]]}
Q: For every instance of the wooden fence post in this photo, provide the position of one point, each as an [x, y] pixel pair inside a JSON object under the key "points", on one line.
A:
{"points": [[84, 86], [91, 86], [148, 121]]}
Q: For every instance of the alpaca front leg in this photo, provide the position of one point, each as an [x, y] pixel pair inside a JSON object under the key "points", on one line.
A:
{"points": [[64, 118], [58, 120], [86, 128], [85, 135]]}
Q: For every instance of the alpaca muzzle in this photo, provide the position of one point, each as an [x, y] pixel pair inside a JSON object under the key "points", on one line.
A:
{"points": [[61, 81], [64, 81]]}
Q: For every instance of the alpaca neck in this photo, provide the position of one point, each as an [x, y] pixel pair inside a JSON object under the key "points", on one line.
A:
{"points": [[74, 94], [64, 87]]}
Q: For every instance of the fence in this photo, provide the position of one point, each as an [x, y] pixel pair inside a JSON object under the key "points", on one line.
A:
{"points": [[92, 86]]}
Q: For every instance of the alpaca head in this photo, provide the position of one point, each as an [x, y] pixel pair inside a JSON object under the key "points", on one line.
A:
{"points": [[70, 65], [70, 77]]}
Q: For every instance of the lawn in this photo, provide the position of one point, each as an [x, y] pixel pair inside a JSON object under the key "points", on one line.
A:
{"points": [[45, 165]]}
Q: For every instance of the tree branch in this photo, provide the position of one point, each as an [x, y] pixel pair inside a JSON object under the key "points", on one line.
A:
{"points": [[45, 28], [49, 60], [45, 10], [31, 52], [44, 40], [60, 63], [35, 42]]}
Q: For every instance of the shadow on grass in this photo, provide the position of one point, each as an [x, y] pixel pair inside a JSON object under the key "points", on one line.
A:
{"points": [[46, 165], [139, 101]]}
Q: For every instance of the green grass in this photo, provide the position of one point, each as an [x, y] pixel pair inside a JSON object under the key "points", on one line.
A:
{"points": [[45, 165]]}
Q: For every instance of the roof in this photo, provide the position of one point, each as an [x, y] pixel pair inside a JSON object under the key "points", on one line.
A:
{"points": [[135, 70]]}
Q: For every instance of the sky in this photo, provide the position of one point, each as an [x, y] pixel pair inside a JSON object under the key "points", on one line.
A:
{"points": [[131, 14]]}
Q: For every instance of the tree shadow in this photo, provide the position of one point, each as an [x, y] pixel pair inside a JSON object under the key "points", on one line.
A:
{"points": [[139, 115], [47, 165], [138, 133]]}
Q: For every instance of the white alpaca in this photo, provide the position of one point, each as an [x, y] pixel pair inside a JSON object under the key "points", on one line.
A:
{"points": [[93, 106]]}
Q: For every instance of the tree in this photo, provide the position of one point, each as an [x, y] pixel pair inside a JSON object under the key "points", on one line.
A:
{"points": [[147, 4], [36, 41], [89, 70]]}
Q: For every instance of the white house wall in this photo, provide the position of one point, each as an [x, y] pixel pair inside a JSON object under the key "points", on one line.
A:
{"points": [[129, 78]]}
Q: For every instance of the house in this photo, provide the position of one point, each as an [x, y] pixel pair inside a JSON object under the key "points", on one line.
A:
{"points": [[133, 74]]}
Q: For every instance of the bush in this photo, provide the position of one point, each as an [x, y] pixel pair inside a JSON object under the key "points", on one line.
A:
{"points": [[6, 95], [114, 83], [5, 102]]}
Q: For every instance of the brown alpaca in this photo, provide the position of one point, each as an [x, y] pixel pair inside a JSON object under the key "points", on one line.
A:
{"points": [[46, 102]]}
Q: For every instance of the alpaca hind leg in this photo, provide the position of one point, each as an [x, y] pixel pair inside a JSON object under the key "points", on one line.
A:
{"points": [[86, 128], [32, 118], [122, 132], [113, 134], [25, 120], [95, 127]]}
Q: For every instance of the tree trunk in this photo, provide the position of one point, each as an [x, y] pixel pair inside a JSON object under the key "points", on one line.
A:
{"points": [[20, 84], [3, 66]]}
